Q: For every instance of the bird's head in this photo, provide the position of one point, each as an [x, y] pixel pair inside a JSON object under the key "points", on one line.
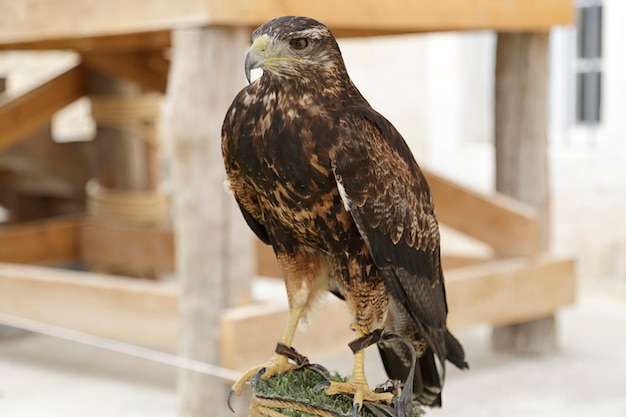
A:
{"points": [[290, 45]]}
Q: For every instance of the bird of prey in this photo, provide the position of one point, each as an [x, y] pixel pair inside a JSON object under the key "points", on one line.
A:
{"points": [[331, 185]]}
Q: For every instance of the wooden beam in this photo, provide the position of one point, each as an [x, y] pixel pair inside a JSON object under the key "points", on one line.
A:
{"points": [[498, 292], [506, 224], [509, 291], [326, 336], [46, 161], [138, 248], [23, 115], [135, 311], [79, 25], [124, 42], [453, 261], [149, 69], [403, 16], [44, 241], [266, 265]]}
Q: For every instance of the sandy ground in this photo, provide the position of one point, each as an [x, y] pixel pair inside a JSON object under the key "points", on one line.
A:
{"points": [[42, 376]]}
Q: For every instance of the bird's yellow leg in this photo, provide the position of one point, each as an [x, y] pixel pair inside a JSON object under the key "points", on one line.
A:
{"points": [[279, 363], [357, 384]]}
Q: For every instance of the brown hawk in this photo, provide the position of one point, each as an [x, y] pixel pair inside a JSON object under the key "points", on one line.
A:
{"points": [[333, 187]]}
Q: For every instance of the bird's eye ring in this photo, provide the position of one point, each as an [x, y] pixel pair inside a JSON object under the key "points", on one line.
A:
{"points": [[299, 43]]}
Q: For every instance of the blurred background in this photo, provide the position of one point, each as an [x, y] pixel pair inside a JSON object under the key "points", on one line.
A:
{"points": [[121, 254]]}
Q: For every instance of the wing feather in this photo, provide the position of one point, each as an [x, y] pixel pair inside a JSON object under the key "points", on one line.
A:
{"points": [[390, 202], [244, 194]]}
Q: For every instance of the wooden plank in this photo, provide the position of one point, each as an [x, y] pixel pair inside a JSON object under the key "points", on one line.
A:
{"points": [[134, 311], [23, 115], [370, 16], [326, 336], [89, 19], [139, 248], [498, 292], [146, 313], [521, 142], [124, 42], [28, 21], [453, 261], [266, 264], [502, 222], [509, 291], [44, 241], [149, 69]]}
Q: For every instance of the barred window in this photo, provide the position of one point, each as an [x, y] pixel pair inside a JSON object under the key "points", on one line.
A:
{"points": [[589, 62]]}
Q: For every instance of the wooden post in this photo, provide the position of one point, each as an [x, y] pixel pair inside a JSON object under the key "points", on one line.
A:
{"points": [[521, 117], [214, 253], [120, 162], [125, 188]]}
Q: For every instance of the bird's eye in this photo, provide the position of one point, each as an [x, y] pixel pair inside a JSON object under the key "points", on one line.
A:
{"points": [[299, 43]]}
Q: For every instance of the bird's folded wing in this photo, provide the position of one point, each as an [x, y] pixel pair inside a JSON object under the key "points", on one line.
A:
{"points": [[389, 200]]}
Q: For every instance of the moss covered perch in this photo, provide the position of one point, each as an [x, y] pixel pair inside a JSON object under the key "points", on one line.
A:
{"points": [[292, 394]]}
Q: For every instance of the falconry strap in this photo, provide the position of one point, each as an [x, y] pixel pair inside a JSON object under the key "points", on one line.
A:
{"points": [[367, 340]]}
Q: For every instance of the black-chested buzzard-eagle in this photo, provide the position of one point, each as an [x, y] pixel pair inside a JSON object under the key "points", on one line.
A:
{"points": [[333, 187]]}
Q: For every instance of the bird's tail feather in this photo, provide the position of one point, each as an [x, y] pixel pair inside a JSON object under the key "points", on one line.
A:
{"points": [[455, 352], [426, 380], [428, 377]]}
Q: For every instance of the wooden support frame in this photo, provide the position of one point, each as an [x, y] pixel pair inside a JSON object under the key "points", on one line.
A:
{"points": [[147, 68], [509, 226], [349, 18], [146, 313], [23, 115], [521, 132], [134, 311], [500, 292], [41, 242], [509, 290], [80, 25], [77, 239], [123, 42], [124, 246], [98, 301]]}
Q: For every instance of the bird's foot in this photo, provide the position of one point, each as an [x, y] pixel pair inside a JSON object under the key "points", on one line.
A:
{"points": [[277, 365], [359, 390]]}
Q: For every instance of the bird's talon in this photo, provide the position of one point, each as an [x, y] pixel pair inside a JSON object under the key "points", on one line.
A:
{"points": [[259, 374], [356, 407], [319, 369], [322, 385], [231, 392], [277, 365], [359, 390]]}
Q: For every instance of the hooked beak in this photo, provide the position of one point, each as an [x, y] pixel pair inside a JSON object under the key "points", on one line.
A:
{"points": [[257, 54]]}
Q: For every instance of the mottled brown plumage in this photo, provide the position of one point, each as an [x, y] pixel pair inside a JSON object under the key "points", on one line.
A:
{"points": [[332, 186]]}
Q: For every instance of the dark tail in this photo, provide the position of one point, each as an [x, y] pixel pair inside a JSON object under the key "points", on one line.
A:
{"points": [[427, 381], [455, 352]]}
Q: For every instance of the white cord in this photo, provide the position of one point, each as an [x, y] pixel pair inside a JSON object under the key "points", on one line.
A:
{"points": [[120, 347]]}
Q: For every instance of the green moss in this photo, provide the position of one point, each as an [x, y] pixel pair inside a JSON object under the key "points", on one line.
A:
{"points": [[298, 387]]}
